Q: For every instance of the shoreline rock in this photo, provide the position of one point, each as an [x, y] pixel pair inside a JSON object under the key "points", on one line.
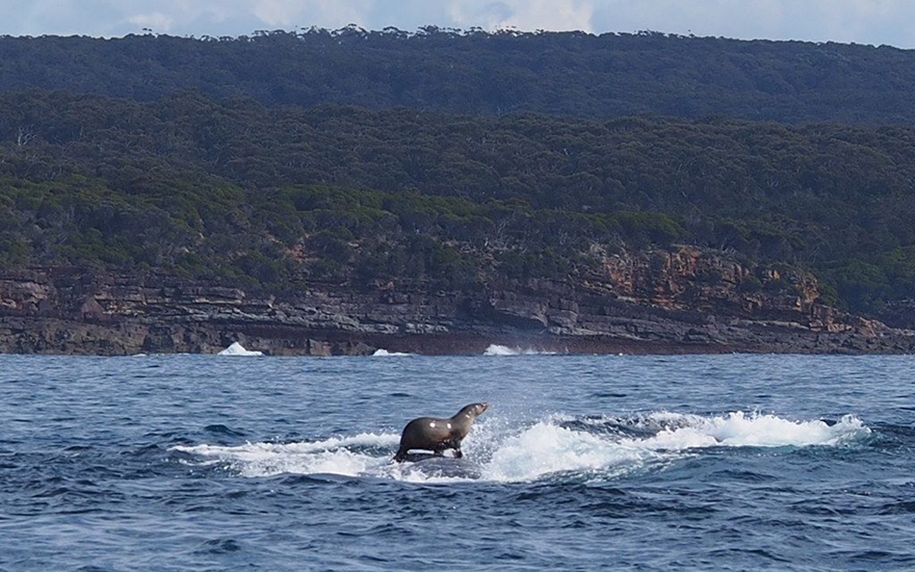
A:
{"points": [[661, 303]]}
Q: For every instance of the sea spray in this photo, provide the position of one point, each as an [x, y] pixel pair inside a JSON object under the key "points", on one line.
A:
{"points": [[350, 456], [500, 350], [503, 452]]}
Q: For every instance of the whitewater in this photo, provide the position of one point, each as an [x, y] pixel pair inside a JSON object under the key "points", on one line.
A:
{"points": [[188, 462], [601, 447]]}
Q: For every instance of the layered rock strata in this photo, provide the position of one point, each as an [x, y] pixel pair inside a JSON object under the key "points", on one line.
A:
{"points": [[676, 300]]}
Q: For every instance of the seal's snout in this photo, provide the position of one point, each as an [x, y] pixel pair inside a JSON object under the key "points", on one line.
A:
{"points": [[484, 407]]}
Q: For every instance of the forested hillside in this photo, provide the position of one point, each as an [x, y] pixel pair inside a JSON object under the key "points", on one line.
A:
{"points": [[280, 197], [477, 73]]}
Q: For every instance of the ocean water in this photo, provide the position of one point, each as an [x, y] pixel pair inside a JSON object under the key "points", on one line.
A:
{"points": [[190, 462]]}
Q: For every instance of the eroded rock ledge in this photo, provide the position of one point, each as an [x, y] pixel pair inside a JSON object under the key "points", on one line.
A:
{"points": [[679, 300]]}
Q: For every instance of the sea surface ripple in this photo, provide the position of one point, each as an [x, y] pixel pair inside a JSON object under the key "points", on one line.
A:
{"points": [[191, 462]]}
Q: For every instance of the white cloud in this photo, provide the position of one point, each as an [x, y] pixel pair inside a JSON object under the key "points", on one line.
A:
{"points": [[861, 21], [700, 17], [276, 12], [156, 21], [552, 15], [521, 14], [483, 14], [287, 15]]}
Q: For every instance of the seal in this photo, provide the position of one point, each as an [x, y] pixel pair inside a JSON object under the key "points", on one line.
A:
{"points": [[436, 435]]}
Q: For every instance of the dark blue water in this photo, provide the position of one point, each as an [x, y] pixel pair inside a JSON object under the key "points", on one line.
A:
{"points": [[581, 463]]}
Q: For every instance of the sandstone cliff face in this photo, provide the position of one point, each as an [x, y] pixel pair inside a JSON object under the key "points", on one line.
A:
{"points": [[677, 300]]}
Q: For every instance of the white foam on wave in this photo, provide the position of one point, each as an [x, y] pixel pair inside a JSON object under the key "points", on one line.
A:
{"points": [[386, 353], [547, 448], [500, 350], [739, 429], [501, 452], [236, 349], [349, 456]]}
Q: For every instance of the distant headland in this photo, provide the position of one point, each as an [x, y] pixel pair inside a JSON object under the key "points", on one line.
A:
{"points": [[340, 192]]}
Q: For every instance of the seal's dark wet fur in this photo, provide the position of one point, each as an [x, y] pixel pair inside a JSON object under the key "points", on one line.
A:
{"points": [[438, 434]]}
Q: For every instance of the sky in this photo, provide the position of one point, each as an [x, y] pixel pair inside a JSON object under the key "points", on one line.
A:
{"points": [[875, 22]]}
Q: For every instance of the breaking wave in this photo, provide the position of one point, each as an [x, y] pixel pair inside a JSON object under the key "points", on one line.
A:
{"points": [[495, 451], [386, 353], [500, 350]]}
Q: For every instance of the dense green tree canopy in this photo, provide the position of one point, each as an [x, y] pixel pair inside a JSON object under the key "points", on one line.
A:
{"points": [[277, 196], [477, 73], [446, 159]]}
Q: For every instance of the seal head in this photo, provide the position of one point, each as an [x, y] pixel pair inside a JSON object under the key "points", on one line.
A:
{"points": [[437, 434]]}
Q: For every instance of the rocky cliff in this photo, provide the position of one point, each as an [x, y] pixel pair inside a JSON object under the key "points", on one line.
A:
{"points": [[676, 300]]}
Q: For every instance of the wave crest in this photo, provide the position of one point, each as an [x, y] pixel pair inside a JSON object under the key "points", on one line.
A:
{"points": [[500, 350], [502, 452]]}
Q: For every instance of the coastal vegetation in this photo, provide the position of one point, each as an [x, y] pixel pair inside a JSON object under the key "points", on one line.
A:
{"points": [[445, 160], [478, 73]]}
